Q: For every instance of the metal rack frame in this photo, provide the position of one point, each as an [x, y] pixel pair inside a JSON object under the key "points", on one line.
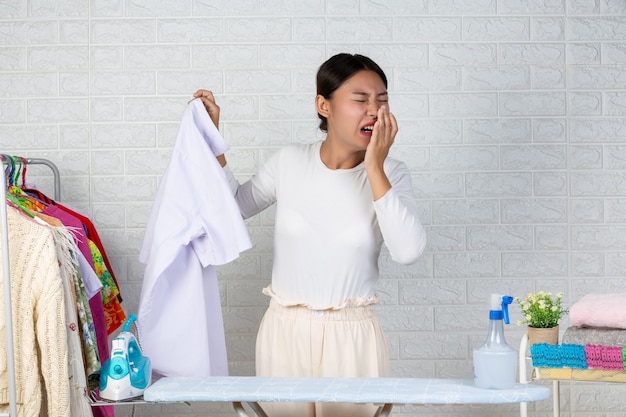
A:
{"points": [[523, 379]]}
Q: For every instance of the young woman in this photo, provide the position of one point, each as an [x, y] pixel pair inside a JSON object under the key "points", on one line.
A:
{"points": [[337, 201]]}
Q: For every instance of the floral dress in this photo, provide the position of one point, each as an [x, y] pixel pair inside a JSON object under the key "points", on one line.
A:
{"points": [[113, 312]]}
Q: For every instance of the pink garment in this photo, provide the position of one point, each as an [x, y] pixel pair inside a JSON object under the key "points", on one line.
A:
{"points": [[77, 229], [599, 310]]}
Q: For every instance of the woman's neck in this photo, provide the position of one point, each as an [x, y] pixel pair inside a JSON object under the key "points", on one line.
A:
{"points": [[337, 157]]}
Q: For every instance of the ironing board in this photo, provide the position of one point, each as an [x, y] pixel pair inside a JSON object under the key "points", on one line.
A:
{"points": [[384, 392]]}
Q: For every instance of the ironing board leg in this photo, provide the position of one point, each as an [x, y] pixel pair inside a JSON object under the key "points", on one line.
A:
{"points": [[384, 410], [556, 398], [257, 409], [241, 412]]}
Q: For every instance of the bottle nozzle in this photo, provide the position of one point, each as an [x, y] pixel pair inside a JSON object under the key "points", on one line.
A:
{"points": [[500, 307]]}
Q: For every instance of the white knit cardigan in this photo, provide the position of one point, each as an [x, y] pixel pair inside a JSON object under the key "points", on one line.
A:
{"points": [[39, 324]]}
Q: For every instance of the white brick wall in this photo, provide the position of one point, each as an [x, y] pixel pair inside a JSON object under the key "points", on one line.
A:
{"points": [[512, 119]]}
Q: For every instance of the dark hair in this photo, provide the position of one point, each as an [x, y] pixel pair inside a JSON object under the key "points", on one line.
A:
{"points": [[336, 70]]}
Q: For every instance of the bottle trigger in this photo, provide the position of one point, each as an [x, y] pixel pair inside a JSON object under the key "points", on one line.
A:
{"points": [[506, 300]]}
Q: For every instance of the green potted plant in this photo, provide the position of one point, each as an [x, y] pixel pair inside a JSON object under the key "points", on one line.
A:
{"points": [[541, 313]]}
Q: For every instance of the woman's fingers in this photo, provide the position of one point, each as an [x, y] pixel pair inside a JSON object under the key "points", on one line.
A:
{"points": [[386, 126], [207, 98], [203, 93], [394, 125]]}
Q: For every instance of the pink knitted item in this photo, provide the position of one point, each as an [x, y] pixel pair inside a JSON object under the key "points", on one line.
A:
{"points": [[604, 357]]}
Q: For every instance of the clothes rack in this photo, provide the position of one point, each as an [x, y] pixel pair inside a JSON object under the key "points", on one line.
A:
{"points": [[7, 278]]}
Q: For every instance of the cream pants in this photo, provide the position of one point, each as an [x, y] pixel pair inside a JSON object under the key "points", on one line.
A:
{"points": [[296, 341]]}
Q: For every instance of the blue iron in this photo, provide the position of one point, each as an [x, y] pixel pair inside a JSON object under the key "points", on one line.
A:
{"points": [[127, 373]]}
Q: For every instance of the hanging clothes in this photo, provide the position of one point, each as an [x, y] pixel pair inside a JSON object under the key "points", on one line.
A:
{"points": [[39, 322], [113, 312], [70, 273], [85, 231], [34, 200], [194, 225], [88, 226], [86, 288]]}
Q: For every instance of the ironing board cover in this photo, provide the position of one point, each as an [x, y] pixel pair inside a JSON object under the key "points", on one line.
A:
{"points": [[352, 390]]}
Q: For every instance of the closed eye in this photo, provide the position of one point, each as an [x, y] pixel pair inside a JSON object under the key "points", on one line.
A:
{"points": [[361, 96]]}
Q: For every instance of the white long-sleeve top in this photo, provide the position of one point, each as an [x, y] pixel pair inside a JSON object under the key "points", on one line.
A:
{"points": [[194, 225], [328, 230]]}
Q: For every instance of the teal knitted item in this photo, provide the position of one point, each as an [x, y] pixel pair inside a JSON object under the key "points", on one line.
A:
{"points": [[546, 355]]}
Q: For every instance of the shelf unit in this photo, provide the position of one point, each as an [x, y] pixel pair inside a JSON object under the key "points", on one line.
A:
{"points": [[556, 375]]}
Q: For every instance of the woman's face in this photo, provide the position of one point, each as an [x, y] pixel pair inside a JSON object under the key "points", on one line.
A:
{"points": [[352, 110]]}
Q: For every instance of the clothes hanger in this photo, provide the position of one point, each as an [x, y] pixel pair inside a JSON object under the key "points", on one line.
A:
{"points": [[36, 197], [15, 202], [24, 162], [12, 170], [8, 168], [16, 168]]}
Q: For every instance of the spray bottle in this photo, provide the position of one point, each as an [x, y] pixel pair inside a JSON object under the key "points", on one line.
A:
{"points": [[495, 362]]}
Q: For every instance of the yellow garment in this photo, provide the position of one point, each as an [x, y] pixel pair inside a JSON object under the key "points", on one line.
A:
{"points": [[39, 325]]}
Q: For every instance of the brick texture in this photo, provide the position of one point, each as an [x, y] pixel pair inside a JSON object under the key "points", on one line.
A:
{"points": [[512, 119]]}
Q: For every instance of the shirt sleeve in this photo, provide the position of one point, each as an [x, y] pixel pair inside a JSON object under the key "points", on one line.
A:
{"points": [[259, 192], [399, 223]]}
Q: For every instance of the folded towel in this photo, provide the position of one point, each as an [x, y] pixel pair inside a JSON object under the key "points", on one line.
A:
{"points": [[592, 335], [599, 310]]}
